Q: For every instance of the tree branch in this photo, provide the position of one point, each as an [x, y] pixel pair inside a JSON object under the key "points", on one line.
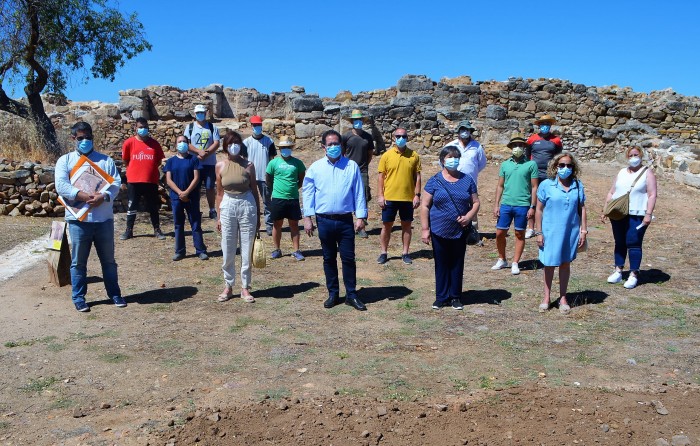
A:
{"points": [[36, 84], [11, 106]]}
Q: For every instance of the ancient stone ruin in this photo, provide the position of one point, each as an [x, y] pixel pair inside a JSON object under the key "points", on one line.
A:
{"points": [[596, 123]]}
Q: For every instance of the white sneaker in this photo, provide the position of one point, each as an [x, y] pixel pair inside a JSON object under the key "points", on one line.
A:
{"points": [[631, 282], [500, 264], [529, 233], [514, 268], [615, 277]]}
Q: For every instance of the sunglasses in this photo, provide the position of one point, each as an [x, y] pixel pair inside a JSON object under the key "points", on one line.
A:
{"points": [[80, 138], [562, 165], [400, 136]]}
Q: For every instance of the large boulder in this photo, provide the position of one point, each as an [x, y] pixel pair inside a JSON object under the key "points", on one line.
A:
{"points": [[307, 104], [412, 82]]}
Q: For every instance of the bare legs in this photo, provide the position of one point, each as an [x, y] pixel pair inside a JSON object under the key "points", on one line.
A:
{"points": [[564, 274]]}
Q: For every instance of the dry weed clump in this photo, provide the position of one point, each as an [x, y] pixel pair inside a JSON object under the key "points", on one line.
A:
{"points": [[20, 141]]}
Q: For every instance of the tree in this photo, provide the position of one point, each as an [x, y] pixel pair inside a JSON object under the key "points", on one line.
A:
{"points": [[43, 43]]}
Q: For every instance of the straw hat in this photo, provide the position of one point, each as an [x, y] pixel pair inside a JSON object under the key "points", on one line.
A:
{"points": [[545, 119], [356, 114], [285, 141]]}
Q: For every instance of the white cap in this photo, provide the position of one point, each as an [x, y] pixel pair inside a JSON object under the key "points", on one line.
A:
{"points": [[200, 108]]}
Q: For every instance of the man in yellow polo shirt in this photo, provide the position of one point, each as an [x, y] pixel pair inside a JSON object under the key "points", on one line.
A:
{"points": [[398, 187]]}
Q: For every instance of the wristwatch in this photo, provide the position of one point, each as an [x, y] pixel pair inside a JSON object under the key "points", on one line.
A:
{"points": [[107, 198], [532, 207], [418, 195]]}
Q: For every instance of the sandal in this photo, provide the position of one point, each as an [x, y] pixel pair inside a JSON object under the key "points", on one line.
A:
{"points": [[247, 299], [226, 295], [544, 308], [564, 309]]}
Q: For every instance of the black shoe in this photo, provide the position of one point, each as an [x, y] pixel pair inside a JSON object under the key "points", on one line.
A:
{"points": [[382, 259], [406, 259], [457, 304], [355, 303], [331, 302], [157, 233], [127, 235], [437, 305]]}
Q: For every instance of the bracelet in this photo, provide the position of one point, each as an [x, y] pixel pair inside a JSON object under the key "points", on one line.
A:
{"points": [[538, 232], [583, 231]]}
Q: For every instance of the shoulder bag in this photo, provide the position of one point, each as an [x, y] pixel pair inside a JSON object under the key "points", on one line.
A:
{"points": [[473, 237], [619, 208]]}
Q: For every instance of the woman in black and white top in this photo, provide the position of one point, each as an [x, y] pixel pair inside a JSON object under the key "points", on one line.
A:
{"points": [[629, 231]]}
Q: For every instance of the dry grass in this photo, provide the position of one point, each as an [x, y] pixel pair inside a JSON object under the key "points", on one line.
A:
{"points": [[21, 141]]}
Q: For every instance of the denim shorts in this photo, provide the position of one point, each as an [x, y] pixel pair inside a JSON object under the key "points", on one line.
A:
{"points": [[518, 214], [208, 176], [403, 208]]}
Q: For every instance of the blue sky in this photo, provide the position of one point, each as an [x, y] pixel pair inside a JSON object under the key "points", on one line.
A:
{"points": [[328, 46]]}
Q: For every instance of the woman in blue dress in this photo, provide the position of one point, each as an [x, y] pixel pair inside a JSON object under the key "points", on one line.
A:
{"points": [[449, 205], [561, 219]]}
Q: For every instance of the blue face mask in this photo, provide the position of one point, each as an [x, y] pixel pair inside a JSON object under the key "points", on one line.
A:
{"points": [[564, 172], [401, 142], [465, 134], [84, 146], [142, 132], [357, 124], [286, 153], [182, 147], [201, 116], [545, 129], [257, 130], [333, 151], [451, 163]]}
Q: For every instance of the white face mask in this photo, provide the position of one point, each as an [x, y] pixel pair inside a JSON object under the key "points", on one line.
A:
{"points": [[634, 161], [234, 149]]}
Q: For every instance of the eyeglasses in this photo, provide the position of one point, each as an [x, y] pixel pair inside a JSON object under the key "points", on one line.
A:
{"points": [[562, 165], [80, 138]]}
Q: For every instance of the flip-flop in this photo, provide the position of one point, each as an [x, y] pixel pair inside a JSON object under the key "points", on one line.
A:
{"points": [[223, 297], [248, 299], [544, 308], [564, 309]]}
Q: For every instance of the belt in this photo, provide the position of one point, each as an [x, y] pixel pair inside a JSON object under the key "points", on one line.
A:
{"points": [[336, 216]]}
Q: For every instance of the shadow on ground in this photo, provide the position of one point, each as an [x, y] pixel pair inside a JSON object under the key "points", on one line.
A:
{"points": [[286, 291], [370, 295], [491, 297]]}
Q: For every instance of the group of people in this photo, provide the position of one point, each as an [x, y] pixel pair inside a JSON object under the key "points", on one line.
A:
{"points": [[539, 191]]}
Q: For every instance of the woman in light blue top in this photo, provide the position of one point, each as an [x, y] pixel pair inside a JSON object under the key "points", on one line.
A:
{"points": [[561, 219]]}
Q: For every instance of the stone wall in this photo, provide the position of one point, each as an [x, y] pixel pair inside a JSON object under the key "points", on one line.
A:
{"points": [[596, 123]]}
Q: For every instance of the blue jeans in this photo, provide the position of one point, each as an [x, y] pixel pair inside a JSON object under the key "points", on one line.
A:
{"points": [[82, 236], [628, 238], [266, 199], [195, 218], [448, 255], [338, 235]]}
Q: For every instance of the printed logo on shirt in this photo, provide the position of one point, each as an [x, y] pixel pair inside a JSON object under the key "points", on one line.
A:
{"points": [[201, 139], [143, 156]]}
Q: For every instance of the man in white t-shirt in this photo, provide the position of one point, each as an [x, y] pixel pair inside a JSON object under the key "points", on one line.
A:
{"points": [[261, 150], [203, 137]]}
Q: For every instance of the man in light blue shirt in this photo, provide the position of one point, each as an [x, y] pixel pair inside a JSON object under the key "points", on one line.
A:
{"points": [[332, 190], [98, 226]]}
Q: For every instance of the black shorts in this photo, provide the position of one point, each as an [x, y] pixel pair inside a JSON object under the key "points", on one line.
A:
{"points": [[404, 209], [281, 209]]}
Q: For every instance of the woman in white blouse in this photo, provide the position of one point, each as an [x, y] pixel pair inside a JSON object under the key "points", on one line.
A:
{"points": [[628, 232]]}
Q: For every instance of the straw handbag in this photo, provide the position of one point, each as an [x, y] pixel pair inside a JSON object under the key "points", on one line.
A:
{"points": [[259, 253]]}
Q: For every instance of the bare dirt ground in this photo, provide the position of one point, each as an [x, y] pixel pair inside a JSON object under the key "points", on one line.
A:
{"points": [[177, 367]]}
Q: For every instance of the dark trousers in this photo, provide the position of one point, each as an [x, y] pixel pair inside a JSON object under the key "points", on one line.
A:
{"points": [[628, 239], [448, 254], [336, 235], [149, 192], [191, 208]]}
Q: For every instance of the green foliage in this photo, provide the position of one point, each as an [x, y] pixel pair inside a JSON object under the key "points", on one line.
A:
{"points": [[60, 37], [39, 384]]}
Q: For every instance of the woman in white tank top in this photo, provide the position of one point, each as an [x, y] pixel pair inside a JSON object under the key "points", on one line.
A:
{"points": [[628, 233]]}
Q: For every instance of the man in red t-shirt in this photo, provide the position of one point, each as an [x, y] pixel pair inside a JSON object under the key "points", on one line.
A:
{"points": [[142, 156]]}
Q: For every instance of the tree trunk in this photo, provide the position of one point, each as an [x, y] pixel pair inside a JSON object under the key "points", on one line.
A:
{"points": [[44, 126]]}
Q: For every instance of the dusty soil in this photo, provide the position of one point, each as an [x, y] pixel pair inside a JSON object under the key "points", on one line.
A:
{"points": [[176, 366]]}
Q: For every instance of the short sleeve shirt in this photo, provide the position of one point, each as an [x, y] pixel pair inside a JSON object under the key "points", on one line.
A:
{"points": [[143, 158], [182, 172], [541, 150], [285, 173], [518, 181], [358, 148], [400, 170], [450, 200], [203, 138]]}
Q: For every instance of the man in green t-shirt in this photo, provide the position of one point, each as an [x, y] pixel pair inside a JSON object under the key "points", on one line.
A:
{"points": [[284, 176], [515, 201]]}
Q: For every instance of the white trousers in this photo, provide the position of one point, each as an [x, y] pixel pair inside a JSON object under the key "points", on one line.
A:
{"points": [[238, 214]]}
